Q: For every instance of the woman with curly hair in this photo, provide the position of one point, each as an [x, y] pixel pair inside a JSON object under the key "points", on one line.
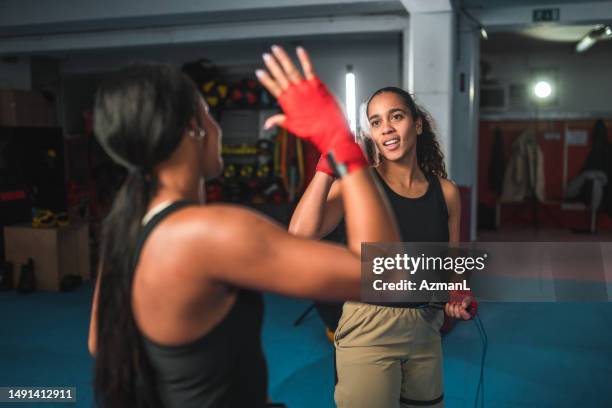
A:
{"points": [[389, 355]]}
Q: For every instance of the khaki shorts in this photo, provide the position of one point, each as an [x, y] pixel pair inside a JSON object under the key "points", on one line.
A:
{"points": [[388, 357]]}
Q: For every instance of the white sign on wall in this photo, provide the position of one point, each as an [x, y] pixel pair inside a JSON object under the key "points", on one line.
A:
{"points": [[576, 137]]}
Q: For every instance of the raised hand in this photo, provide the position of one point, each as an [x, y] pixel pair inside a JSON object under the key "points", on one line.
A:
{"points": [[310, 110]]}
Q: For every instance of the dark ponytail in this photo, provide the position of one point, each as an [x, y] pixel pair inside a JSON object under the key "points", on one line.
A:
{"points": [[123, 375], [429, 156], [140, 116]]}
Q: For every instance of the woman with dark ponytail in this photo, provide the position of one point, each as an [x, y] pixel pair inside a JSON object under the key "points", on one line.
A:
{"points": [[176, 315], [390, 355]]}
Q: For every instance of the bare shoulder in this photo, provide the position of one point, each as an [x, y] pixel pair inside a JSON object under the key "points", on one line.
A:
{"points": [[450, 192], [223, 230], [221, 222], [448, 186], [203, 238]]}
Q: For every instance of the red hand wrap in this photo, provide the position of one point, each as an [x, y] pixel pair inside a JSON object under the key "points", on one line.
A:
{"points": [[457, 296], [324, 167], [350, 154], [313, 114]]}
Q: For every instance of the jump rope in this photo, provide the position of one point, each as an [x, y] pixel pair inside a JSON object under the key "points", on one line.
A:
{"points": [[485, 342]]}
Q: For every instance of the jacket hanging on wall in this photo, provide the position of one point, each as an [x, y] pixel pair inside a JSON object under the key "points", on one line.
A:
{"points": [[524, 176], [598, 163]]}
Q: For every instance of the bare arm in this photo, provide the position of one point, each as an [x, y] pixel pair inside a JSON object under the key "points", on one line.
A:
{"points": [[368, 216], [267, 258], [320, 208], [452, 197], [238, 247]]}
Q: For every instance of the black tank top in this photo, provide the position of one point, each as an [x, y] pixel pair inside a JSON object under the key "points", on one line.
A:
{"points": [[226, 367], [421, 219]]}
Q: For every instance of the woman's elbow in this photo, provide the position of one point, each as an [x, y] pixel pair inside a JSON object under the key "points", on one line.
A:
{"points": [[293, 228]]}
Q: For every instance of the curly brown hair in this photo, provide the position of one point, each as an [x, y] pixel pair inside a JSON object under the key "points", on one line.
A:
{"points": [[429, 156]]}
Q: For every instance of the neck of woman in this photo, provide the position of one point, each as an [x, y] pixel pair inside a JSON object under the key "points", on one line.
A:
{"points": [[174, 187], [403, 171]]}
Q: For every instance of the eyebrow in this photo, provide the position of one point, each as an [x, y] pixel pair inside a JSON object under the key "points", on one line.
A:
{"points": [[388, 112]]}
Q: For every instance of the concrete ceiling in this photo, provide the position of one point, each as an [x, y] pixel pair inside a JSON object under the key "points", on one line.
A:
{"points": [[139, 19], [24, 25]]}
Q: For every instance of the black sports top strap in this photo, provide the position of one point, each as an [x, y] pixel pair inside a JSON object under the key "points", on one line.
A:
{"points": [[152, 223]]}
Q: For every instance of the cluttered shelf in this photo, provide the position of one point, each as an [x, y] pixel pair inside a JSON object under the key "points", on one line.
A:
{"points": [[270, 170]]}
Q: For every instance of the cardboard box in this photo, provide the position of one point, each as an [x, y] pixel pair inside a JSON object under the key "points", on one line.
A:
{"points": [[25, 108], [56, 252]]}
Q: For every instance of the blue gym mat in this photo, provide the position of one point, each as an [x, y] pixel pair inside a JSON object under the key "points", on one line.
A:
{"points": [[539, 355]]}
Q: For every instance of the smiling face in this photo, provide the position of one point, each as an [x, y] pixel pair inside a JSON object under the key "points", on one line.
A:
{"points": [[392, 126]]}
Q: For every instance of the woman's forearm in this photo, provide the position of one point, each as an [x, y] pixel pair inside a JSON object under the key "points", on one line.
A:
{"points": [[308, 216], [358, 198], [368, 216]]}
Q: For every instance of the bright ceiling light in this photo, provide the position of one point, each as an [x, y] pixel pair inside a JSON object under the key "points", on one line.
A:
{"points": [[351, 99], [586, 43], [542, 89], [599, 32], [483, 33]]}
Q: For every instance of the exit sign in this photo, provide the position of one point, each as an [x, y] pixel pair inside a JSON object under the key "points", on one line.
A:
{"points": [[540, 15]]}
